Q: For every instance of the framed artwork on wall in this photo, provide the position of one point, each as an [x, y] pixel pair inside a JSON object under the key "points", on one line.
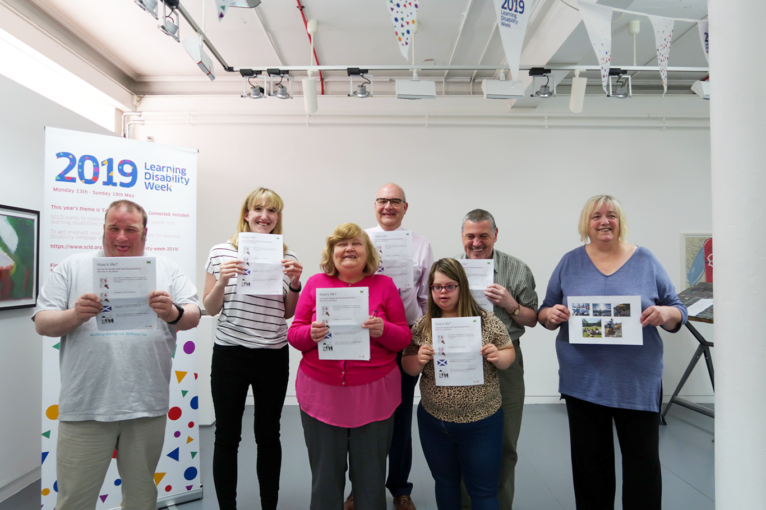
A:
{"points": [[696, 259], [19, 257]]}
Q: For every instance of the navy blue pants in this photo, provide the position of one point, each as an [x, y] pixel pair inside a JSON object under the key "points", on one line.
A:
{"points": [[471, 450], [400, 453]]}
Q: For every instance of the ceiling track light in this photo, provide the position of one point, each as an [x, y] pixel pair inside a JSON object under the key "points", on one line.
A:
{"points": [[624, 87], [249, 89], [169, 25], [149, 6], [361, 90], [278, 90], [545, 90]]}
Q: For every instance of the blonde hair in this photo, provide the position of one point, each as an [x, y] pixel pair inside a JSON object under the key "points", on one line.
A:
{"points": [[596, 202], [466, 304], [269, 199], [343, 232]]}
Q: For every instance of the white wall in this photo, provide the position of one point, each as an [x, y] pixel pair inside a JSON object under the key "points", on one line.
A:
{"points": [[534, 180], [23, 115]]}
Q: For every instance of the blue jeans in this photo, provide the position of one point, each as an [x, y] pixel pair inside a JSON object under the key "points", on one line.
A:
{"points": [[471, 450]]}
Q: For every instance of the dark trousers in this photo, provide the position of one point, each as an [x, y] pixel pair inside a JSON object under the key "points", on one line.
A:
{"points": [[234, 370], [365, 448], [592, 440], [473, 450], [400, 454]]}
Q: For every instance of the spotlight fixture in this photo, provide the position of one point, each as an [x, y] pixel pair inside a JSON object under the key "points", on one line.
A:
{"points": [[624, 85], [256, 91], [361, 90], [169, 25], [193, 46], [545, 90], [279, 90], [149, 6], [702, 89], [501, 89], [415, 89]]}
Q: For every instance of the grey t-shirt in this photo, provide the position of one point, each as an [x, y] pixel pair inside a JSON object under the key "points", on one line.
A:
{"points": [[115, 375]]}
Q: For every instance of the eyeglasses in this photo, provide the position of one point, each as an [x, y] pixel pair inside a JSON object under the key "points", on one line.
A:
{"points": [[450, 287], [395, 202]]}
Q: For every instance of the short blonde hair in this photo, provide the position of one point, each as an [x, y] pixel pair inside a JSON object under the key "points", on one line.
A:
{"points": [[269, 199], [596, 202], [343, 232]]}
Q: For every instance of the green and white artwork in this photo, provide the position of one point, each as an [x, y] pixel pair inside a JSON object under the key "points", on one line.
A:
{"points": [[18, 257]]}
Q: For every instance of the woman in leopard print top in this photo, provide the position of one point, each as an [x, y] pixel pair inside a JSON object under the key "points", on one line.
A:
{"points": [[460, 427]]}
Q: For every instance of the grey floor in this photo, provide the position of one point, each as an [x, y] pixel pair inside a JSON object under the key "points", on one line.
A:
{"points": [[543, 474]]}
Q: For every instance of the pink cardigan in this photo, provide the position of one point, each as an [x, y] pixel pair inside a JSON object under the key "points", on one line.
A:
{"points": [[384, 297]]}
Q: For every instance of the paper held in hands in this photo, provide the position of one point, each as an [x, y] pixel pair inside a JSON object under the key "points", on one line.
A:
{"points": [[605, 320], [396, 253], [457, 351], [481, 274], [344, 310], [123, 284], [261, 256]]}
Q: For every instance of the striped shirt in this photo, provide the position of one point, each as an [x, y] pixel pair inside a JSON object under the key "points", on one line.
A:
{"points": [[247, 320], [516, 277]]}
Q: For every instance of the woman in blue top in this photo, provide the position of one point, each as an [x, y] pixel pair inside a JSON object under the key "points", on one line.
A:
{"points": [[606, 383]]}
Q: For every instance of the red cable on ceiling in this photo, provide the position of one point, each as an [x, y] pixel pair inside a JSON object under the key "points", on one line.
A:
{"points": [[316, 59]]}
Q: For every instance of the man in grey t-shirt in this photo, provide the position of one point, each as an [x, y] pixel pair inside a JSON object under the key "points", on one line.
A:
{"points": [[114, 385]]}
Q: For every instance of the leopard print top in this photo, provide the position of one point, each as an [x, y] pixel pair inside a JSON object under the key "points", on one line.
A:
{"points": [[461, 404]]}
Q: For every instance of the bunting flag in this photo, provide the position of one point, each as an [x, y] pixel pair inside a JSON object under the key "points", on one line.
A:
{"points": [[512, 20], [403, 16], [222, 5], [663, 35], [703, 25], [598, 22]]}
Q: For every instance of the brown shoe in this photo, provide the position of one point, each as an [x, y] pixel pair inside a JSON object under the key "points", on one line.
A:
{"points": [[349, 504], [404, 503]]}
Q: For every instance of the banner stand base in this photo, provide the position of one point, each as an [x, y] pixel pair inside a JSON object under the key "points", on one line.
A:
{"points": [[178, 499]]}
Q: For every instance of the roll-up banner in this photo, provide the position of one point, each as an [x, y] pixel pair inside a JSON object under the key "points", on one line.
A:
{"points": [[84, 173]]}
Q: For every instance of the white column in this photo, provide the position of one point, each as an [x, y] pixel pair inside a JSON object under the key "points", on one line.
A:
{"points": [[738, 136]]}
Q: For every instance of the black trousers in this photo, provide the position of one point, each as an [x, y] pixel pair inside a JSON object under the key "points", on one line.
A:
{"points": [[234, 370], [592, 441], [400, 454]]}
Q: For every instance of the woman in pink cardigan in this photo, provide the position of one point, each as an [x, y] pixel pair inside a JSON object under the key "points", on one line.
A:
{"points": [[347, 407]]}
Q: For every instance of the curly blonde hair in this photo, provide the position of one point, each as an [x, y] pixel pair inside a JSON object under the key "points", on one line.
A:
{"points": [[343, 232]]}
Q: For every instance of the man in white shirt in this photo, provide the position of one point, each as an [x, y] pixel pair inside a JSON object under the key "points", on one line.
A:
{"points": [[390, 207]]}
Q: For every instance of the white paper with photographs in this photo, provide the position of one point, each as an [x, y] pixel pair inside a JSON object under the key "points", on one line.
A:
{"points": [[261, 254], [605, 320], [344, 310]]}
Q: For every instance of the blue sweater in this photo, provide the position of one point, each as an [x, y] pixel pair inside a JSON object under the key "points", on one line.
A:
{"points": [[623, 376]]}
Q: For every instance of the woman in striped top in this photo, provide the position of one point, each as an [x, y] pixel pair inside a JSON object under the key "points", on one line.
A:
{"points": [[250, 350]]}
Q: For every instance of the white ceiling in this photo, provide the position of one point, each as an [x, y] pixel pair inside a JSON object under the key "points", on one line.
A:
{"points": [[358, 33]]}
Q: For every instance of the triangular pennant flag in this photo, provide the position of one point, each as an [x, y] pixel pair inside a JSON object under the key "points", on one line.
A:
{"points": [[174, 454], [223, 4], [45, 455], [598, 22], [103, 497], [704, 36], [189, 439], [180, 376], [512, 19], [404, 15], [663, 36], [47, 434], [158, 478], [184, 392], [193, 454], [57, 346]]}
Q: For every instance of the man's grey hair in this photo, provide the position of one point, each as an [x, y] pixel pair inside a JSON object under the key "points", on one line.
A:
{"points": [[478, 215]]}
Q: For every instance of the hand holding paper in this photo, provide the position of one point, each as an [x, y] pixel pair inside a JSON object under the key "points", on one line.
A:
{"points": [[558, 314], [375, 325], [500, 296], [229, 269], [293, 269], [655, 316], [319, 331], [425, 354], [86, 307], [162, 304], [491, 353]]}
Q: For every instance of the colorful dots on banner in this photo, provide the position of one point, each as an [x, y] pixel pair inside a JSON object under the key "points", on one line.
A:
{"points": [[195, 376], [45, 492], [175, 413], [194, 404], [177, 433], [52, 413], [191, 424], [189, 347], [189, 487], [190, 473], [45, 455], [158, 478], [114, 454], [117, 482], [57, 346], [56, 486], [180, 375], [168, 488], [174, 454], [103, 497], [47, 434], [184, 392], [193, 454], [189, 439]]}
